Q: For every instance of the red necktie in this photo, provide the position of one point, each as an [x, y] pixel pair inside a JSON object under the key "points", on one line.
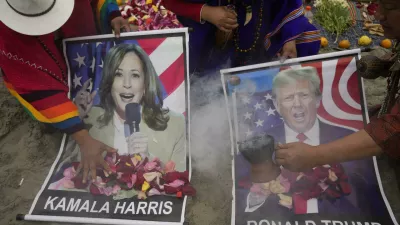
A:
{"points": [[302, 137]]}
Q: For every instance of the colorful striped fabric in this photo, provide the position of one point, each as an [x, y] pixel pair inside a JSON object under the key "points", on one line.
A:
{"points": [[105, 10], [307, 37], [293, 15], [51, 107]]}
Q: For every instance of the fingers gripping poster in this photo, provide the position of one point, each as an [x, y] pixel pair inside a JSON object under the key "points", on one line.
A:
{"points": [[132, 94], [314, 100]]}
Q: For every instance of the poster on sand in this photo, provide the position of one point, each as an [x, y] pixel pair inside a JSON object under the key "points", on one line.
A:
{"points": [[315, 100], [133, 95]]}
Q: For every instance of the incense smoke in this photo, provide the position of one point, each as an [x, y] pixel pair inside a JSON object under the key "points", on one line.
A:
{"points": [[210, 137]]}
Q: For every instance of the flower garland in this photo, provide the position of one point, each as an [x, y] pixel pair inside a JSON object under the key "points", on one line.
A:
{"points": [[149, 15], [132, 175], [294, 189]]}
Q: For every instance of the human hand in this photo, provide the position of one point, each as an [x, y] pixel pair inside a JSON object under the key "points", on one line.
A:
{"points": [[118, 24], [84, 100], [91, 154], [288, 51], [222, 17], [137, 143], [296, 157]]}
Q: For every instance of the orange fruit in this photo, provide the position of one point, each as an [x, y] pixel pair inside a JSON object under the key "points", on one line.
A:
{"points": [[324, 42], [344, 44], [386, 43]]}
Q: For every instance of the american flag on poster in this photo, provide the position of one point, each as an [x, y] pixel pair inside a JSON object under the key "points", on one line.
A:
{"points": [[86, 61], [340, 105]]}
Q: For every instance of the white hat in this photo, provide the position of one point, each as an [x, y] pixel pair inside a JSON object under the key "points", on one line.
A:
{"points": [[35, 17]]}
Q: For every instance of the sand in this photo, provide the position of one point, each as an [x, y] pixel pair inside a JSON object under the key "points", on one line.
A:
{"points": [[27, 150]]}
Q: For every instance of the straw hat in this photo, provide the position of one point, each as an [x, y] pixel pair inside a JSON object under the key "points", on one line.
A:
{"points": [[35, 17]]}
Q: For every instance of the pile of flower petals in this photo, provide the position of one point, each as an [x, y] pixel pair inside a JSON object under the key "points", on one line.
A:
{"points": [[149, 15], [328, 181], [132, 172]]}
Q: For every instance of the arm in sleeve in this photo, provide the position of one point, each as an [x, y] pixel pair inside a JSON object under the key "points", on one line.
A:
{"points": [[385, 131], [105, 11], [48, 106], [185, 9], [179, 155]]}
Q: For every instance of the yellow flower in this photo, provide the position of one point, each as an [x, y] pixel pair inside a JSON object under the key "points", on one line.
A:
{"points": [[154, 8], [131, 19], [145, 186]]}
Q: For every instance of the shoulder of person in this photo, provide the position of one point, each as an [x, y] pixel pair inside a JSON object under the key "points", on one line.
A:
{"points": [[175, 119], [335, 129]]}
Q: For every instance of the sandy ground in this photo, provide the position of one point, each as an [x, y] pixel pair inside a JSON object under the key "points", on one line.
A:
{"points": [[27, 151]]}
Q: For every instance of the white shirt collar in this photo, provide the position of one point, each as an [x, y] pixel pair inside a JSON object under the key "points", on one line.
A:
{"points": [[118, 122], [312, 134]]}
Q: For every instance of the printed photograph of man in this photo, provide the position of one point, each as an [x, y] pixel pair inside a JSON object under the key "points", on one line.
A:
{"points": [[296, 96]]}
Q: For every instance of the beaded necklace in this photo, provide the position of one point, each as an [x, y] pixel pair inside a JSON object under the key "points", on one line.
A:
{"points": [[257, 32], [64, 79]]}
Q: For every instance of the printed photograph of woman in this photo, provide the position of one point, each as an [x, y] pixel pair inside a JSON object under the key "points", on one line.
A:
{"points": [[130, 117]]}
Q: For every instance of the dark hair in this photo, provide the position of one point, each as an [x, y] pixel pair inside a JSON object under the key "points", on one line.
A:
{"points": [[152, 102]]}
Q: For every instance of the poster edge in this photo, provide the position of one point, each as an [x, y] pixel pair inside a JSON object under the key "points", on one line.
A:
{"points": [[354, 53], [233, 209], [184, 36], [292, 61], [79, 220], [188, 141], [131, 34]]}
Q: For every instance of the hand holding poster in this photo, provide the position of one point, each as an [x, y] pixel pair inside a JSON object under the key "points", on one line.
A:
{"points": [[132, 94], [310, 101]]}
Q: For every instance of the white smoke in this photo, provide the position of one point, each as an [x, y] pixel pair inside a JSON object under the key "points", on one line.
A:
{"points": [[210, 137]]}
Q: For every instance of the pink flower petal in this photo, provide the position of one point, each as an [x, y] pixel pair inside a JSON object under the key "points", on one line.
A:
{"points": [[69, 172], [150, 166], [169, 167], [68, 184], [153, 191], [176, 183], [256, 188], [284, 182], [116, 189]]}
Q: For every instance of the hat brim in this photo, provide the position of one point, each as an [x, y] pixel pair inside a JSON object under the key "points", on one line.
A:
{"points": [[39, 25]]}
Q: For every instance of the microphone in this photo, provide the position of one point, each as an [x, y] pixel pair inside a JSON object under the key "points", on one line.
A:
{"points": [[133, 117], [258, 151]]}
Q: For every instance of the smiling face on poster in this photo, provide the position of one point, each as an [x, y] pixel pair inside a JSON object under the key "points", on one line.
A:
{"points": [[314, 100], [134, 99]]}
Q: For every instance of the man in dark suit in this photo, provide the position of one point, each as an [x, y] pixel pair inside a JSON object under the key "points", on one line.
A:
{"points": [[296, 96]]}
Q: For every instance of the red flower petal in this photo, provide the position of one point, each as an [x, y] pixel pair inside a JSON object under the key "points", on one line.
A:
{"points": [[94, 190], [345, 187], [75, 165], [172, 176], [139, 180], [78, 182], [125, 178], [188, 190], [171, 190]]}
